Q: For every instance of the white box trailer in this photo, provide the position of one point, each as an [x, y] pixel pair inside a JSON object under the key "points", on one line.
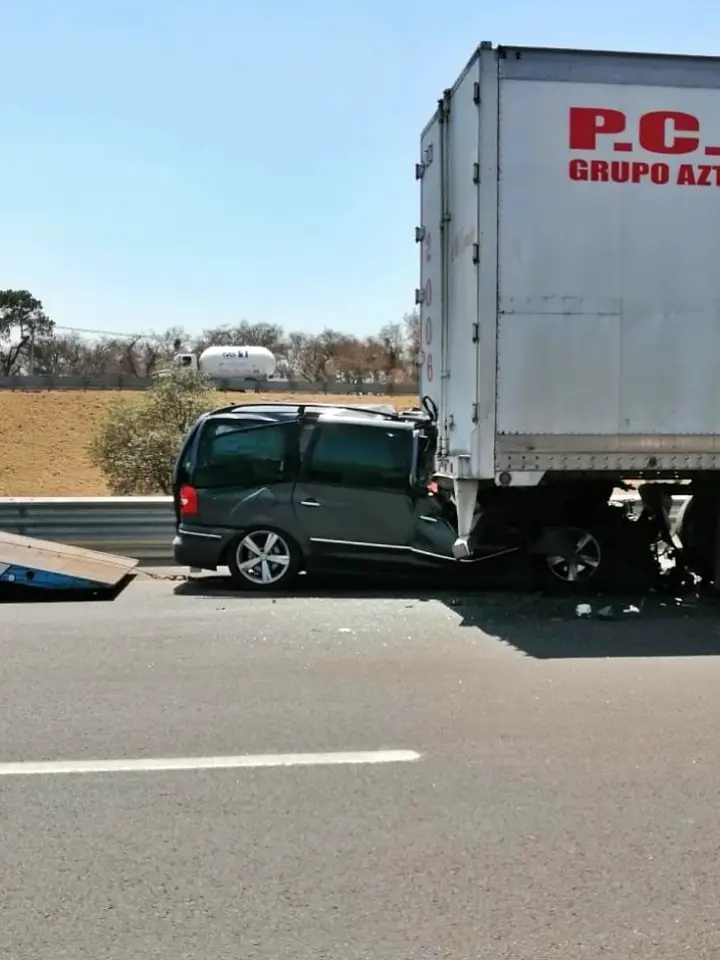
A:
{"points": [[570, 271]]}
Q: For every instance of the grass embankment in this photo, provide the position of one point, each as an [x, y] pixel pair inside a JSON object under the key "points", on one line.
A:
{"points": [[44, 437]]}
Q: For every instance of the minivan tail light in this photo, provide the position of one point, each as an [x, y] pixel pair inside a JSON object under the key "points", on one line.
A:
{"points": [[188, 501]]}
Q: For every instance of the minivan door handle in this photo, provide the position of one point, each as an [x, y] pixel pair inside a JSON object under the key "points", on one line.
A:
{"points": [[310, 503]]}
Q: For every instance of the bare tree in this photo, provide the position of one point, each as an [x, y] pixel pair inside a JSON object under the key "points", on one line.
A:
{"points": [[61, 355], [268, 335], [28, 341], [413, 346]]}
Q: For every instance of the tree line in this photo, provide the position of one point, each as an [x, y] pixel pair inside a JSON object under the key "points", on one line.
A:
{"points": [[30, 343]]}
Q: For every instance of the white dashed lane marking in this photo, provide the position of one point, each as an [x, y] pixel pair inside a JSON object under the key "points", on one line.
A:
{"points": [[150, 765]]}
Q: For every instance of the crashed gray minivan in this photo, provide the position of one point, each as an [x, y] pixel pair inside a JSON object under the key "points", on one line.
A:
{"points": [[273, 489]]}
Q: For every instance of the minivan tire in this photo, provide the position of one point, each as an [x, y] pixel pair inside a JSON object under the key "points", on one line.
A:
{"points": [[253, 542]]}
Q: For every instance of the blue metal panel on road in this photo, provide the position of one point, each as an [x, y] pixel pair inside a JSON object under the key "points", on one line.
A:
{"points": [[43, 579]]}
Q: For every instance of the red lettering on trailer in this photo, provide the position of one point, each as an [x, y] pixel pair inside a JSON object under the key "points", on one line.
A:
{"points": [[700, 175], [461, 242], [686, 175], [428, 330], [587, 122], [668, 133], [658, 132], [660, 173], [618, 171], [429, 368], [428, 248], [428, 293]]}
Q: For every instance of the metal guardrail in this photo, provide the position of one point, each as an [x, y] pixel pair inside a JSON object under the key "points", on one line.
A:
{"points": [[48, 382], [140, 527], [113, 382]]}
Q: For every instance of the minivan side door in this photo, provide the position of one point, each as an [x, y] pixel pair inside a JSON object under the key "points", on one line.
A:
{"points": [[353, 500]]}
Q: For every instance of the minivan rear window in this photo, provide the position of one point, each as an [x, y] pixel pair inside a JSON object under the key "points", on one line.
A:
{"points": [[233, 453]]}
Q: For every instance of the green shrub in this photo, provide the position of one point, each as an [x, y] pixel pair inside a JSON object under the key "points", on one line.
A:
{"points": [[137, 446]]}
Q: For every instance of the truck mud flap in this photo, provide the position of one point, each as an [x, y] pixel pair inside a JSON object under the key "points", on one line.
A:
{"points": [[33, 570]]}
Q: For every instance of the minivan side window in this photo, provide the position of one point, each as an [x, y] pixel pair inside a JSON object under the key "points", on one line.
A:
{"points": [[230, 454], [358, 456]]}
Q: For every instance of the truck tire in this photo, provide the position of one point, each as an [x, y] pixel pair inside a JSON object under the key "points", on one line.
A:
{"points": [[696, 529]]}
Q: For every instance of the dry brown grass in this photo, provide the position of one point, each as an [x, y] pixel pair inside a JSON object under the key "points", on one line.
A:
{"points": [[44, 437]]}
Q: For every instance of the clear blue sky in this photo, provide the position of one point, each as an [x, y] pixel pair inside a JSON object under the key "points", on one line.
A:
{"points": [[203, 161]]}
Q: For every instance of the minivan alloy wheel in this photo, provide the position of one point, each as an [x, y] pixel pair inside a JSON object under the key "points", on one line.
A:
{"points": [[263, 557]]}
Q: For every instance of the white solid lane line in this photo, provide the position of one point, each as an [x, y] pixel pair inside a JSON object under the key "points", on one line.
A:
{"points": [[150, 765]]}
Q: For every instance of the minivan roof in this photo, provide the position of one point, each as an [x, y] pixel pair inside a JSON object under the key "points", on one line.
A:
{"points": [[351, 418], [281, 410]]}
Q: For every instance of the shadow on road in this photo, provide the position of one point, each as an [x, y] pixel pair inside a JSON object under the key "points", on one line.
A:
{"points": [[499, 574], [546, 629], [350, 586], [339, 588], [537, 625]]}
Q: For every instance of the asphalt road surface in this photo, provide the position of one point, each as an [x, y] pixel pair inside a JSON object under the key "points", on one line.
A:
{"points": [[554, 796]]}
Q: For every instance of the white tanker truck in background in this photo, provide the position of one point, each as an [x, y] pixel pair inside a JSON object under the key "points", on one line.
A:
{"points": [[230, 363]]}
